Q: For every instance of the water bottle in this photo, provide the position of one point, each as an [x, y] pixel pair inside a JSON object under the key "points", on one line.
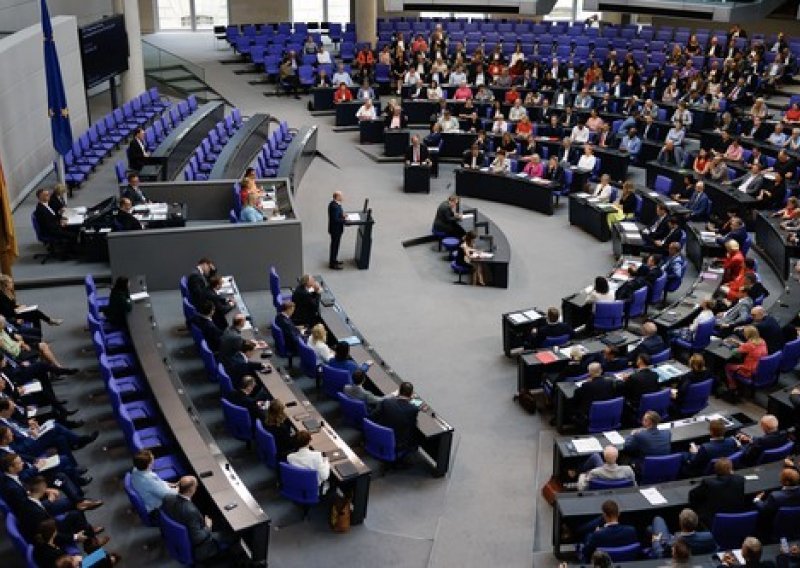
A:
{"points": [[784, 545]]}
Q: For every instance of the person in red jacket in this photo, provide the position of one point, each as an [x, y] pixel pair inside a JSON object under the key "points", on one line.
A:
{"points": [[342, 94], [365, 62]]}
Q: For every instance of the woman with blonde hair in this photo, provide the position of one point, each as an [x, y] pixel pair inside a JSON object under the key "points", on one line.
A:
{"points": [[20, 313], [751, 350], [625, 205], [318, 341]]}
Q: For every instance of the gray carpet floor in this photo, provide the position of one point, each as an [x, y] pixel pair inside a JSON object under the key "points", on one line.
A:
{"points": [[444, 338]]}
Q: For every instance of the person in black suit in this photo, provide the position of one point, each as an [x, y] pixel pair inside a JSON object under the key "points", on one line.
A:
{"points": [[291, 335], [642, 381], [203, 320], [222, 305], [773, 438], [124, 219], [240, 365], [243, 396], [553, 327], [650, 344], [399, 414], [553, 128], [279, 425], [133, 192], [198, 281], [768, 328], [306, 301], [567, 155], [50, 224], [718, 446], [787, 496], [137, 153], [660, 227], [58, 198], [723, 493], [231, 340], [675, 234], [649, 130], [609, 533], [597, 388], [473, 158], [335, 229], [447, 218], [179, 508], [751, 554], [554, 172], [417, 153]]}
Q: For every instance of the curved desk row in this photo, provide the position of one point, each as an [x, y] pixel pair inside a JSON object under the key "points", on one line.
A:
{"points": [[774, 244], [496, 267], [506, 188], [224, 489], [242, 148], [299, 155], [180, 144], [435, 435]]}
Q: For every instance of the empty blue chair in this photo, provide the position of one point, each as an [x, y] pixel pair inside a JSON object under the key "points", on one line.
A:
{"points": [[786, 523], [299, 485], [791, 354], [556, 341], [308, 361], [656, 295], [638, 304], [266, 449], [278, 295], [605, 415], [657, 402], [766, 374], [137, 503], [663, 185], [380, 443], [209, 361], [696, 398], [602, 484], [176, 539], [609, 316], [661, 356], [730, 529], [701, 339], [775, 454], [334, 380], [238, 422], [353, 410], [225, 382], [661, 469], [623, 553], [280, 343]]}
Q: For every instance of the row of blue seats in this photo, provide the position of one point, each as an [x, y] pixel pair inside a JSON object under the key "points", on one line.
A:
{"points": [[333, 30], [105, 135]]}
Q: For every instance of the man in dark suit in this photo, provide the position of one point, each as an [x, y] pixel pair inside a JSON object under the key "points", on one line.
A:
{"points": [[473, 158], [768, 328], [648, 440], [554, 172], [567, 155], [137, 153], [660, 227], [124, 219], [335, 229], [241, 365], [204, 322], [231, 340], [751, 554], [717, 447], [723, 493], [651, 342], [738, 233], [447, 218], [399, 414], [417, 153], [133, 192], [675, 234], [50, 224], [787, 496], [553, 327], [610, 533], [198, 281], [773, 438], [420, 91], [291, 335], [553, 129], [179, 508], [306, 301], [244, 397], [649, 130], [642, 381], [596, 388], [714, 48]]}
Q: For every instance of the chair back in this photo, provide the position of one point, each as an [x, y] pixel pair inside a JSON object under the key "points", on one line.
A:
{"points": [[657, 290], [702, 335], [623, 553], [767, 371], [308, 360], [266, 449], [189, 310], [136, 502], [379, 441], [334, 380], [775, 454], [600, 484], [791, 354], [354, 411], [209, 361], [608, 316], [638, 305], [556, 341], [275, 287], [657, 402], [12, 528], [786, 523], [661, 469], [184, 286], [280, 342], [237, 421], [663, 185], [605, 415], [176, 539], [299, 484], [225, 381], [697, 396], [730, 529], [661, 356]]}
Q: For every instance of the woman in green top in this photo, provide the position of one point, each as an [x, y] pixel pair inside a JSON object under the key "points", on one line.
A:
{"points": [[119, 303]]}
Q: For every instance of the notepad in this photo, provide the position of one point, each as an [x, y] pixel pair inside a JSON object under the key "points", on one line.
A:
{"points": [[614, 437], [546, 357], [587, 445], [518, 318], [46, 427], [351, 340], [653, 496], [51, 462], [353, 217], [136, 296], [628, 226], [26, 309], [533, 314], [30, 388]]}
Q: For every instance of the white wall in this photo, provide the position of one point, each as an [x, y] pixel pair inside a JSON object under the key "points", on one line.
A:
{"points": [[26, 148], [18, 14]]}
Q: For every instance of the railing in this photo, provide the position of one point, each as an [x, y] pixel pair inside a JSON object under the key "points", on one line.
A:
{"points": [[170, 69]]}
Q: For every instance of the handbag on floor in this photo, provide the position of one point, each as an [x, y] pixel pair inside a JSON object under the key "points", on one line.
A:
{"points": [[551, 489], [340, 513]]}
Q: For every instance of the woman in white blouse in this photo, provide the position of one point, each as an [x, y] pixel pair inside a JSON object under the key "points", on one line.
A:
{"points": [[604, 189], [366, 111], [435, 92], [318, 342], [588, 159], [501, 164], [600, 292]]}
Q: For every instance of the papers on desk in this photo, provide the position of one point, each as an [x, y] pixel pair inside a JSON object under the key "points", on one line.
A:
{"points": [[353, 217], [518, 318], [653, 193], [73, 218], [278, 217], [627, 226], [136, 296], [546, 357], [351, 340], [581, 194], [482, 255], [80, 210], [467, 216], [671, 203], [593, 199], [151, 212], [51, 462], [737, 555], [668, 371], [267, 204], [751, 477], [587, 445], [665, 425], [45, 428], [653, 496], [533, 314], [484, 169], [247, 324], [30, 388], [709, 275], [521, 175], [614, 437]]}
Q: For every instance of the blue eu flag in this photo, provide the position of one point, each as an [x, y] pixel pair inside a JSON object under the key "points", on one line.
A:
{"points": [[56, 97]]}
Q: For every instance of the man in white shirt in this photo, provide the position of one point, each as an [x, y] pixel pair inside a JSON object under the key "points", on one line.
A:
{"points": [[307, 458], [517, 111], [323, 57], [588, 160], [342, 76], [580, 134], [458, 76], [583, 100], [366, 111], [778, 137], [411, 77]]}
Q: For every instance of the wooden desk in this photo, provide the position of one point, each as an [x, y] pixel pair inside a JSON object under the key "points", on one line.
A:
{"points": [[225, 490]]}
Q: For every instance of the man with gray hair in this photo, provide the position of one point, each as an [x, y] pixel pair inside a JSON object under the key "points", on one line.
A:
{"points": [[699, 542], [648, 440], [596, 388], [607, 470], [773, 438]]}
